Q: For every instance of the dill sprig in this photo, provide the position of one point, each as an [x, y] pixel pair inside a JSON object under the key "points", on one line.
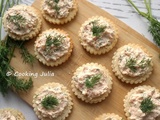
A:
{"points": [[92, 80], [19, 84], [54, 6], [144, 63], [96, 29], [56, 1], [10, 80], [49, 102], [131, 63], [18, 20], [147, 105], [56, 41], [25, 54], [154, 27]]}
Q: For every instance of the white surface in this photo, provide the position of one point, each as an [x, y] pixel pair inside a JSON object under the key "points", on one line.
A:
{"points": [[118, 8]]}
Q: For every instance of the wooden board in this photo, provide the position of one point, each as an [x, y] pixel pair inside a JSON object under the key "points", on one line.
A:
{"points": [[63, 73]]}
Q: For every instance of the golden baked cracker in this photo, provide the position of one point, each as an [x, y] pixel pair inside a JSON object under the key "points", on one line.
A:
{"points": [[99, 98], [17, 114], [30, 35], [61, 59], [130, 93], [66, 111], [109, 115], [125, 78], [71, 15], [104, 49]]}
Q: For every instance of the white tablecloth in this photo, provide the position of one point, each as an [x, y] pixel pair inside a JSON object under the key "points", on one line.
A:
{"points": [[118, 8]]}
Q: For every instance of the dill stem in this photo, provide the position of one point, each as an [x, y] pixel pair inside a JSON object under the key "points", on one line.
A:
{"points": [[17, 2], [12, 52], [3, 10], [1, 6], [148, 6], [140, 12]]}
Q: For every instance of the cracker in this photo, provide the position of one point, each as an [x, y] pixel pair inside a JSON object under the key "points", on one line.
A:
{"points": [[66, 111], [129, 94], [104, 49], [125, 78], [71, 15], [109, 115], [17, 114], [30, 35], [59, 61], [100, 98]]}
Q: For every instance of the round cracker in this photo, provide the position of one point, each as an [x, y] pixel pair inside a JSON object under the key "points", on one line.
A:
{"points": [[96, 99], [125, 78], [109, 115], [61, 59], [66, 111], [104, 49], [71, 15], [130, 93], [17, 114], [30, 35]]}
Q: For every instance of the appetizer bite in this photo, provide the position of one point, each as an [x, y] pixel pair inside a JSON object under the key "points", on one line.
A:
{"points": [[132, 64], [52, 101], [22, 22], [91, 83], [142, 103], [59, 11], [98, 35], [53, 47], [11, 114]]}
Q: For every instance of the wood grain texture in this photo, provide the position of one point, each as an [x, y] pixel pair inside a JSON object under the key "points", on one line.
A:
{"points": [[63, 73]]}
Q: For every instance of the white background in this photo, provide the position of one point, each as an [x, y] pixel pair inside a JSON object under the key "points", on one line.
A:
{"points": [[118, 8]]}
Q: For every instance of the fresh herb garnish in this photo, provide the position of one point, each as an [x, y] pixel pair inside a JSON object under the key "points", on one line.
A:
{"points": [[131, 63], [49, 102], [7, 78], [54, 6], [56, 41], [147, 105], [20, 84], [56, 1], [92, 80], [26, 56], [144, 63], [154, 27], [18, 20], [96, 29]]}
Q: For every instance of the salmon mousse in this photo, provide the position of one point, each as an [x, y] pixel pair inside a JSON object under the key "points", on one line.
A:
{"points": [[11, 114], [59, 11], [53, 47], [52, 101], [98, 35], [22, 22], [91, 83], [142, 103], [132, 64]]}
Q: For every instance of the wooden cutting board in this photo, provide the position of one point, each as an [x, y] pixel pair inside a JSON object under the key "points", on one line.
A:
{"points": [[63, 73]]}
